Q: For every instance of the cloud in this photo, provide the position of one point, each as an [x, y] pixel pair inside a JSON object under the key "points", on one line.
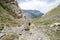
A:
{"points": [[41, 5]]}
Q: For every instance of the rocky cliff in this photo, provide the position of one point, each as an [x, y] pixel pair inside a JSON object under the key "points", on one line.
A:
{"points": [[10, 13], [11, 6]]}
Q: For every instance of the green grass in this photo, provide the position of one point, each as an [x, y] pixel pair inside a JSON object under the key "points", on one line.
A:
{"points": [[10, 36], [37, 21], [54, 35]]}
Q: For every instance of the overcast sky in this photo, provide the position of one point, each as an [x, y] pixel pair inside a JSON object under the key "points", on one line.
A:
{"points": [[41, 5]]}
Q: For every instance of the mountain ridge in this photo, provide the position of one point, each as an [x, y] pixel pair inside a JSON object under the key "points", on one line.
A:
{"points": [[32, 13], [52, 14]]}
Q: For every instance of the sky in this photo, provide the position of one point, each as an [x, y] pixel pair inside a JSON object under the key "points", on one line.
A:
{"points": [[41, 5]]}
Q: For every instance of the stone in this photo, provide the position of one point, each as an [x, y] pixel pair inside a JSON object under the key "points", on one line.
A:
{"points": [[55, 24]]}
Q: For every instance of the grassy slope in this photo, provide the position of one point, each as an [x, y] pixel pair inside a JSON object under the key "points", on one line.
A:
{"points": [[38, 21], [52, 12]]}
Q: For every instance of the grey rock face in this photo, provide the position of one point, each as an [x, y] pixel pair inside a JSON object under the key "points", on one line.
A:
{"points": [[12, 6]]}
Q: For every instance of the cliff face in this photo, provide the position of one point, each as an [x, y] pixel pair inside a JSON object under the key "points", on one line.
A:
{"points": [[10, 13], [11, 6]]}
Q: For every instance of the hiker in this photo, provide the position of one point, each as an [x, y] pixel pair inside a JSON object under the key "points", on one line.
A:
{"points": [[29, 23]]}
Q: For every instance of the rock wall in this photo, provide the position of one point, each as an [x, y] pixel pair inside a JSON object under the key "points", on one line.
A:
{"points": [[12, 6]]}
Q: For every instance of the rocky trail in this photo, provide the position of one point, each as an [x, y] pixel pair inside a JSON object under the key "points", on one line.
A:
{"points": [[34, 33]]}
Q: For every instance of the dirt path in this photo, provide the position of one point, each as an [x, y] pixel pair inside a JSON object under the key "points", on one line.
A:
{"points": [[33, 34]]}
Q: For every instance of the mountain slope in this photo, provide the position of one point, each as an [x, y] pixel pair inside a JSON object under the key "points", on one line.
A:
{"points": [[47, 20], [51, 17], [53, 14], [32, 13]]}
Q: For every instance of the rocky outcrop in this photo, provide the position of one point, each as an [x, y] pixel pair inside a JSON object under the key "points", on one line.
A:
{"points": [[12, 6]]}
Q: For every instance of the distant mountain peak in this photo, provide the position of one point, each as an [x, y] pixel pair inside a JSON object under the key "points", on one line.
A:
{"points": [[32, 13]]}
